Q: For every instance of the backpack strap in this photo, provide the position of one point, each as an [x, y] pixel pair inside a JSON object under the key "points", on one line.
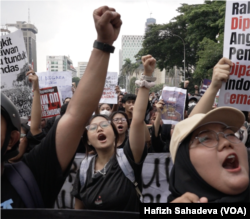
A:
{"points": [[128, 170], [84, 168], [22, 179]]}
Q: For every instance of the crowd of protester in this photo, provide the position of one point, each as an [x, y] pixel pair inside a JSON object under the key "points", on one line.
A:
{"points": [[208, 147]]}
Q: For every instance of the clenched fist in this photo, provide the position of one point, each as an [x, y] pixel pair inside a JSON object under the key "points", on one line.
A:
{"points": [[107, 23]]}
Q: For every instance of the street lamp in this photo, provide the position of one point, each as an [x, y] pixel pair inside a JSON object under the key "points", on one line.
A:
{"points": [[168, 34]]}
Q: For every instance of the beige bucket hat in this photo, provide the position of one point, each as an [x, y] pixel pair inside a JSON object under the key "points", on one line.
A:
{"points": [[227, 115]]}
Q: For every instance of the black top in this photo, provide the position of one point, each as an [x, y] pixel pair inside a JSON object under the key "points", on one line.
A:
{"points": [[114, 191], [44, 165], [123, 143], [34, 140], [160, 144]]}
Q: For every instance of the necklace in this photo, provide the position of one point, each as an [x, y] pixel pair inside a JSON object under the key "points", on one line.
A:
{"points": [[100, 171]]}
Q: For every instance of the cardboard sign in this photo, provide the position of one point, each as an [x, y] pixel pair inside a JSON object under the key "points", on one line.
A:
{"points": [[109, 95], [14, 66], [51, 101], [63, 80], [236, 92], [173, 110]]}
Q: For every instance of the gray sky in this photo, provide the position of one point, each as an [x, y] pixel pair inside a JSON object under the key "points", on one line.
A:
{"points": [[67, 27]]}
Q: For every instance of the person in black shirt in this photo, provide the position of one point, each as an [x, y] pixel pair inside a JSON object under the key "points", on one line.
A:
{"points": [[50, 161], [106, 187], [121, 121]]}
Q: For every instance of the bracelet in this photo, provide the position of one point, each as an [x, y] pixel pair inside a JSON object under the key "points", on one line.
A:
{"points": [[148, 78], [144, 83]]}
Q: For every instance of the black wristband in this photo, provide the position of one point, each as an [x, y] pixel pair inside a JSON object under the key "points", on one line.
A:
{"points": [[104, 47]]}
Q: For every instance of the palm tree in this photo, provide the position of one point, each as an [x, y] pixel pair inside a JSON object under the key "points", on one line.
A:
{"points": [[126, 70]]}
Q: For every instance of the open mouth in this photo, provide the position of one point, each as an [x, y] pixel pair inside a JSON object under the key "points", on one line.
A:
{"points": [[120, 127], [101, 137], [231, 162]]}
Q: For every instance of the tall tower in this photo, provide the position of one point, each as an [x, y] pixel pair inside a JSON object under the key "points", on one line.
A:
{"points": [[29, 35], [149, 21]]}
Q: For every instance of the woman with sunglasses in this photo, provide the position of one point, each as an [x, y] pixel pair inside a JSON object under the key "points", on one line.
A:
{"points": [[209, 158], [122, 124], [106, 187]]}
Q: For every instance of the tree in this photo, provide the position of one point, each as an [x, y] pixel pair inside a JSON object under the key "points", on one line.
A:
{"points": [[156, 88], [126, 71], [209, 54], [196, 25], [76, 80]]}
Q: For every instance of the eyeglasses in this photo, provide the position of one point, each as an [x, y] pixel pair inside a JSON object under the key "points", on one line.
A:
{"points": [[210, 138], [92, 127], [116, 120], [22, 135]]}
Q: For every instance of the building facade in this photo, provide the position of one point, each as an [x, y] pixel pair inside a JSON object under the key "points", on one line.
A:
{"points": [[131, 45], [81, 69], [29, 35], [60, 63]]}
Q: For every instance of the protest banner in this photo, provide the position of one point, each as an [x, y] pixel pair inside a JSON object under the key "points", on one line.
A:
{"points": [[63, 80], [14, 66], [205, 85], [51, 101], [174, 99], [235, 92], [155, 180], [109, 95]]}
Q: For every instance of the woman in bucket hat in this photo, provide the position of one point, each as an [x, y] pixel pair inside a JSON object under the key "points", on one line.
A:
{"points": [[209, 158]]}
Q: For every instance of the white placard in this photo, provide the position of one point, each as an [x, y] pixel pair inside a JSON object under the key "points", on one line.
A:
{"points": [[236, 92], [109, 95], [63, 80], [14, 66]]}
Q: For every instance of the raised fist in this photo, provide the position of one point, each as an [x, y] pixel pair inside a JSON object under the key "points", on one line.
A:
{"points": [[149, 64], [107, 23]]}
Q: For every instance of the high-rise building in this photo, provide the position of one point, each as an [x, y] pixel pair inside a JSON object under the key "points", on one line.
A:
{"points": [[29, 35], [60, 63], [131, 45], [81, 68], [149, 21]]}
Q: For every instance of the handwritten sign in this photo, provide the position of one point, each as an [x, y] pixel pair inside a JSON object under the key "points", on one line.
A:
{"points": [[51, 102], [63, 80], [235, 92], [109, 95], [14, 65]]}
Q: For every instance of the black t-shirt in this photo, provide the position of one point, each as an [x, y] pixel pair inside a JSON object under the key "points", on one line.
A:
{"points": [[123, 143], [44, 165], [34, 140], [113, 191]]}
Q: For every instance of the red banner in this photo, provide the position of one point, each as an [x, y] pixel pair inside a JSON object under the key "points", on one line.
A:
{"points": [[51, 102]]}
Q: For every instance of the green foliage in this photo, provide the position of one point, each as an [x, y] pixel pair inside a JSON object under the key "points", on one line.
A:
{"points": [[195, 28], [156, 88], [76, 80], [209, 54]]}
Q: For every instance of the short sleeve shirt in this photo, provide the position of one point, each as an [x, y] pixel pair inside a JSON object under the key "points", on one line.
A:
{"points": [[112, 191]]}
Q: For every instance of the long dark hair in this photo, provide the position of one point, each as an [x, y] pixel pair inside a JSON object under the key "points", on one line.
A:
{"points": [[124, 114], [85, 136]]}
